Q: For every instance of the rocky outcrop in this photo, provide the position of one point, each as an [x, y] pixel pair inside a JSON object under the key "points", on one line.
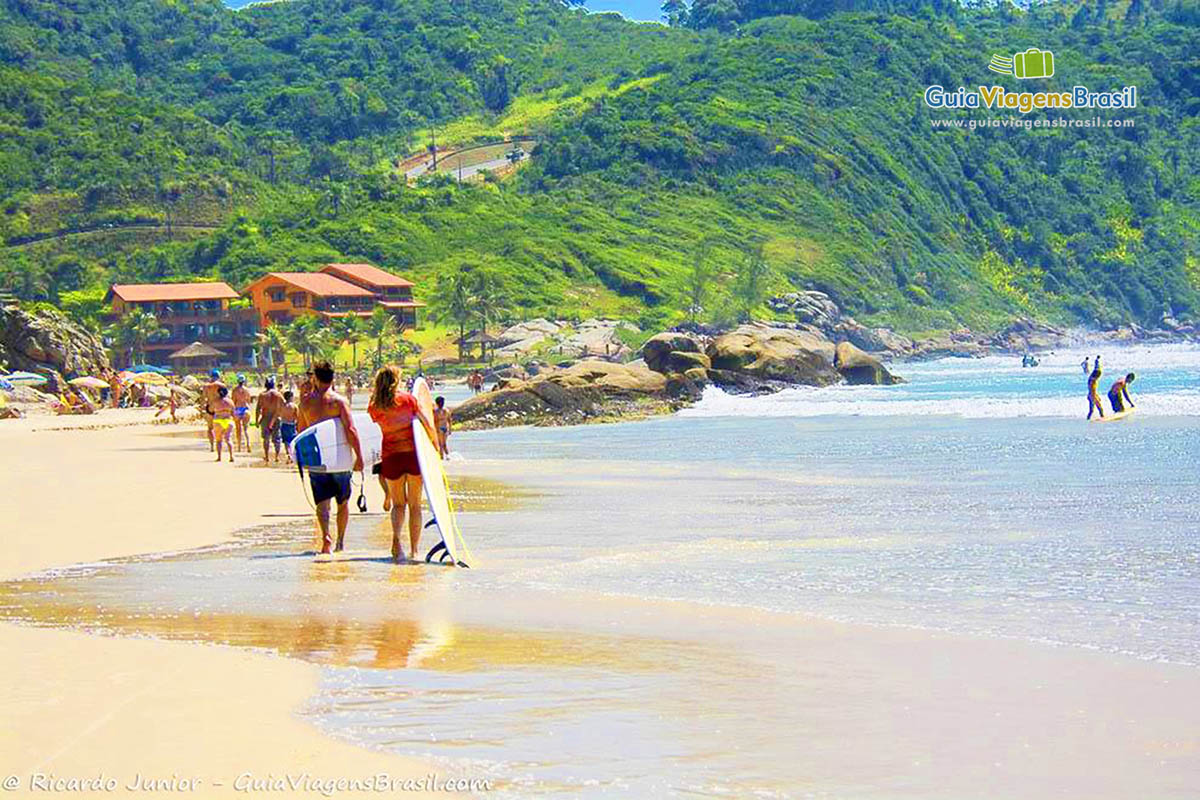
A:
{"points": [[674, 352], [524, 337], [589, 391], [596, 338], [856, 367], [817, 312], [48, 342], [1027, 335], [772, 356]]}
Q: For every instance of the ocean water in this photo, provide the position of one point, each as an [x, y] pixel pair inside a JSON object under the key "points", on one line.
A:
{"points": [[646, 615]]}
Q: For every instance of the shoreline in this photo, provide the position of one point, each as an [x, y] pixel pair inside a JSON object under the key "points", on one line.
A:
{"points": [[82, 705]]}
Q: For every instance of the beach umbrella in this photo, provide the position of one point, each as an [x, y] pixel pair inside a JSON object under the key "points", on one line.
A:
{"points": [[6, 386], [88, 382], [125, 375], [25, 379], [149, 368], [149, 378]]}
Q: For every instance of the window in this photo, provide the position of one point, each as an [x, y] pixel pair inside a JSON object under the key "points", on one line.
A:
{"points": [[299, 300], [249, 328], [276, 295]]}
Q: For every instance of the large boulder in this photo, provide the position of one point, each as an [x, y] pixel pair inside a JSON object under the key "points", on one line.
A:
{"points": [[774, 354], [588, 391], [596, 338], [1026, 335], [48, 342], [523, 338], [856, 367], [658, 348]]}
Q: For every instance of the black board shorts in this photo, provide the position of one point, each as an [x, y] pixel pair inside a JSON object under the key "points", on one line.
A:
{"points": [[330, 485]]}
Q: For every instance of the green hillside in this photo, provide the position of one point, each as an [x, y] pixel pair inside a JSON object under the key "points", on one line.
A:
{"points": [[237, 142]]}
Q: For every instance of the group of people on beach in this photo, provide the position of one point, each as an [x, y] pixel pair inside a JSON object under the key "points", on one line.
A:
{"points": [[394, 409], [281, 416], [1118, 393]]}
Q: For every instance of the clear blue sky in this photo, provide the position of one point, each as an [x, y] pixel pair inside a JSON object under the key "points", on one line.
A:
{"points": [[633, 9]]}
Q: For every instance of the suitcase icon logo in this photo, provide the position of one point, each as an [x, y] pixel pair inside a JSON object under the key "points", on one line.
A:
{"points": [[1033, 63]]}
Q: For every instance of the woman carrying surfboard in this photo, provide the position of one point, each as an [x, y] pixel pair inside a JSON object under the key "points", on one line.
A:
{"points": [[394, 410]]}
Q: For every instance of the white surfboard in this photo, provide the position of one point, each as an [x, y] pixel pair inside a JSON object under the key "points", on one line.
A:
{"points": [[433, 478], [1114, 417], [324, 447]]}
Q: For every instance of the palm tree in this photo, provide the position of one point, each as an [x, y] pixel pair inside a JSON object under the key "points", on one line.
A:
{"points": [[491, 298], [273, 340], [305, 335], [454, 303], [349, 329], [380, 326], [133, 331]]}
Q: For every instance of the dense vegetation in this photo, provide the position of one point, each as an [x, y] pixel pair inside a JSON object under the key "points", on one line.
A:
{"points": [[665, 152]]}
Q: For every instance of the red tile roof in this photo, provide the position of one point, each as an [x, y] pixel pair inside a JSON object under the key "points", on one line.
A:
{"points": [[318, 283], [158, 292], [366, 274]]}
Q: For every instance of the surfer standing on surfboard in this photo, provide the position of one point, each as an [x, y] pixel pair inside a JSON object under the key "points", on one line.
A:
{"points": [[321, 403], [394, 410], [1093, 395]]}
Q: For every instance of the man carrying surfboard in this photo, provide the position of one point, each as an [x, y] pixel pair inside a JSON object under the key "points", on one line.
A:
{"points": [[322, 403], [394, 411], [1120, 387]]}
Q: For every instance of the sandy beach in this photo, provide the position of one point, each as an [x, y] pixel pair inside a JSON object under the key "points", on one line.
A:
{"points": [[80, 706]]}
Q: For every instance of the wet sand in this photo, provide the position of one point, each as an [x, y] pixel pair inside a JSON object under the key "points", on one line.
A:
{"points": [[81, 706], [561, 693]]}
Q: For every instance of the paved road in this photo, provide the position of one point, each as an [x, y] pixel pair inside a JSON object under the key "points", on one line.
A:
{"points": [[467, 171]]}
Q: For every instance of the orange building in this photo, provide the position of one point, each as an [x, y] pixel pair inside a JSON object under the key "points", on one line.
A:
{"points": [[189, 312], [335, 291]]}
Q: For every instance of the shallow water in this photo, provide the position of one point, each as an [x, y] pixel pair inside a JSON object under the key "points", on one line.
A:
{"points": [[637, 622]]}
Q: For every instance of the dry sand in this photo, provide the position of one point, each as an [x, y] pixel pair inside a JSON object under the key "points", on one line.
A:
{"points": [[81, 706]]}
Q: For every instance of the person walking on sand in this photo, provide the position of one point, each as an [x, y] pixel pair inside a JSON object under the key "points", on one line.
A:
{"points": [[115, 388], [441, 418], [1093, 395], [266, 418], [208, 398], [1119, 389], [350, 391], [287, 424], [241, 413], [320, 404], [394, 411], [222, 421]]}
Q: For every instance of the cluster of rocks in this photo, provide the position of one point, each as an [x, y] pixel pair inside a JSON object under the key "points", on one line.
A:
{"points": [[817, 311], [593, 338], [48, 343], [758, 359], [593, 390]]}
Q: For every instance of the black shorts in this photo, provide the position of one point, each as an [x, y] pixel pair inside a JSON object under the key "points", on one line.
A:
{"points": [[330, 485]]}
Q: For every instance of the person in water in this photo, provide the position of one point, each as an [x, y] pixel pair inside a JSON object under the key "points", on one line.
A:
{"points": [[1118, 391], [1093, 394], [222, 421], [323, 403], [441, 417], [394, 410], [287, 424], [266, 417], [1085, 365]]}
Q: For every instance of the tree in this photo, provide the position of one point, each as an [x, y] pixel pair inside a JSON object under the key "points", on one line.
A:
{"points": [[454, 303], [273, 341], [132, 332], [750, 284], [675, 13], [305, 335], [697, 284], [380, 326], [490, 295], [349, 330]]}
